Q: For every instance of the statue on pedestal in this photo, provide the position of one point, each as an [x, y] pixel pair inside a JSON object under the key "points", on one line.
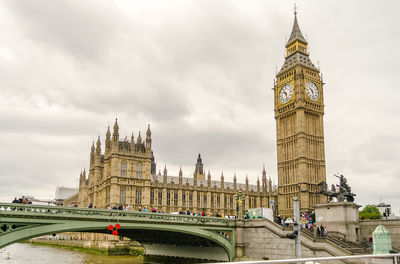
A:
{"points": [[342, 193]]}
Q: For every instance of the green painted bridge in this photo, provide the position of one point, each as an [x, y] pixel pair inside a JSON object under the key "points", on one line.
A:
{"points": [[20, 222]]}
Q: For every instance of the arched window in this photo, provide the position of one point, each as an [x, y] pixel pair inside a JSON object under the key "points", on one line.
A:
{"points": [[123, 168], [139, 171]]}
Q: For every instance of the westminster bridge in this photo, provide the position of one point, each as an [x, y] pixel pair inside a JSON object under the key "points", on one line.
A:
{"points": [[20, 222]]}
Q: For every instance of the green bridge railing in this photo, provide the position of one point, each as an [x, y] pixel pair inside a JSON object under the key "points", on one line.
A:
{"points": [[17, 209]]}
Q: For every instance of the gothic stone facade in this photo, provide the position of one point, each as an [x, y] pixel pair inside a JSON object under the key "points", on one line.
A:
{"points": [[299, 110], [126, 175]]}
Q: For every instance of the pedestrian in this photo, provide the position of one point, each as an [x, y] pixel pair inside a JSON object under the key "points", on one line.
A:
{"points": [[322, 230], [370, 242], [90, 205], [318, 231], [15, 200], [188, 212]]}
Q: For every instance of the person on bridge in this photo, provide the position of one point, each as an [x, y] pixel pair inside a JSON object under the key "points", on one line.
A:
{"points": [[15, 200]]}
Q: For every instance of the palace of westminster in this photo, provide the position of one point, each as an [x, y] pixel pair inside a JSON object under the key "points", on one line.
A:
{"points": [[126, 173]]}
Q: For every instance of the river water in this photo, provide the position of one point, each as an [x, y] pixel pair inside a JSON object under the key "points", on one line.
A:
{"points": [[24, 253]]}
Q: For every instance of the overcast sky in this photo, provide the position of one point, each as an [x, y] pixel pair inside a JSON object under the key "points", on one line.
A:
{"points": [[200, 73]]}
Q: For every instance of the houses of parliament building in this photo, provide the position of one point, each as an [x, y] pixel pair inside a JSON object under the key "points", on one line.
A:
{"points": [[125, 174]]}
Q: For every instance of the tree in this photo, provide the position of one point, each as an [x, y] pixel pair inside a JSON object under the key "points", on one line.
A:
{"points": [[370, 212]]}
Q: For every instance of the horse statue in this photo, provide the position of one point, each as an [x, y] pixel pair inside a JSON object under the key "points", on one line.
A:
{"points": [[342, 193]]}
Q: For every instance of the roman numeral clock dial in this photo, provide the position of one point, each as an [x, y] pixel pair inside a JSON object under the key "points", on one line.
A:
{"points": [[285, 93], [312, 91]]}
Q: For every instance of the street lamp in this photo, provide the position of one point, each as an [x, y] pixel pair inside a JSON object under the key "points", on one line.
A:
{"points": [[240, 199]]}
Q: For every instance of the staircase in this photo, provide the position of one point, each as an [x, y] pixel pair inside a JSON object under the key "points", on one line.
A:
{"points": [[352, 247]]}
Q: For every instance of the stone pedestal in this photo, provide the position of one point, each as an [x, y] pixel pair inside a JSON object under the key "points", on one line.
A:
{"points": [[340, 219]]}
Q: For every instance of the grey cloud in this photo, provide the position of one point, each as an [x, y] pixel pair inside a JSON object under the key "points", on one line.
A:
{"points": [[201, 74]]}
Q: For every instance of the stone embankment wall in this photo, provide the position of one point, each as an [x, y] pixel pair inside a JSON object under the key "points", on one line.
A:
{"points": [[262, 239], [106, 244], [392, 225]]}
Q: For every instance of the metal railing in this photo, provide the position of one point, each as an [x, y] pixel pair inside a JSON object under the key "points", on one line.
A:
{"points": [[16, 209], [368, 259]]}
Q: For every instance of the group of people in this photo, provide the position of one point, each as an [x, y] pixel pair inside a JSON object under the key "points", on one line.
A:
{"points": [[320, 231], [22, 200], [307, 221]]}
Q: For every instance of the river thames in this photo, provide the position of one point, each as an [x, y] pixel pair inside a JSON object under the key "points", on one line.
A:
{"points": [[23, 253]]}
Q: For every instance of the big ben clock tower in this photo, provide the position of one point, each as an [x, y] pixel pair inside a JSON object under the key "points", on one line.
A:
{"points": [[299, 111]]}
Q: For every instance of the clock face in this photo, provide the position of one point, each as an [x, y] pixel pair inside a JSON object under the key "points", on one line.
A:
{"points": [[312, 91], [285, 93]]}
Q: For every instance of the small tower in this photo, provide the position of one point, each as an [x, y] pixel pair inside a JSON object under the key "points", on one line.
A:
{"points": [[165, 175], [148, 139], [81, 180], [108, 141], [209, 180], [98, 147], [132, 143], [247, 183], [115, 138], [270, 184], [199, 168], [234, 182], [264, 179], [258, 184], [180, 176], [139, 139], [222, 181], [92, 156]]}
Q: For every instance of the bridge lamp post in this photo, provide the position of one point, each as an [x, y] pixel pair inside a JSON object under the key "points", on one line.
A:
{"points": [[240, 199], [297, 226]]}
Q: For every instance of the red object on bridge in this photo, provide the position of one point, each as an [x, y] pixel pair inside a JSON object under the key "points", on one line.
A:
{"points": [[114, 229]]}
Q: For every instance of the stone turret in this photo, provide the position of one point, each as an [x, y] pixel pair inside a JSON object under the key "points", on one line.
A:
{"points": [[132, 143], [108, 141], [270, 184], [148, 139], [234, 182], [199, 168], [222, 181], [264, 179], [209, 180], [180, 176], [115, 138], [98, 147], [258, 184], [165, 174], [92, 156], [247, 183]]}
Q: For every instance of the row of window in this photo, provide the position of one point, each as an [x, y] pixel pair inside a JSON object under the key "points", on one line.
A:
{"points": [[187, 200], [124, 169]]}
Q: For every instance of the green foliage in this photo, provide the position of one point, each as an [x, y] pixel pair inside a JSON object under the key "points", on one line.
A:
{"points": [[370, 212]]}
